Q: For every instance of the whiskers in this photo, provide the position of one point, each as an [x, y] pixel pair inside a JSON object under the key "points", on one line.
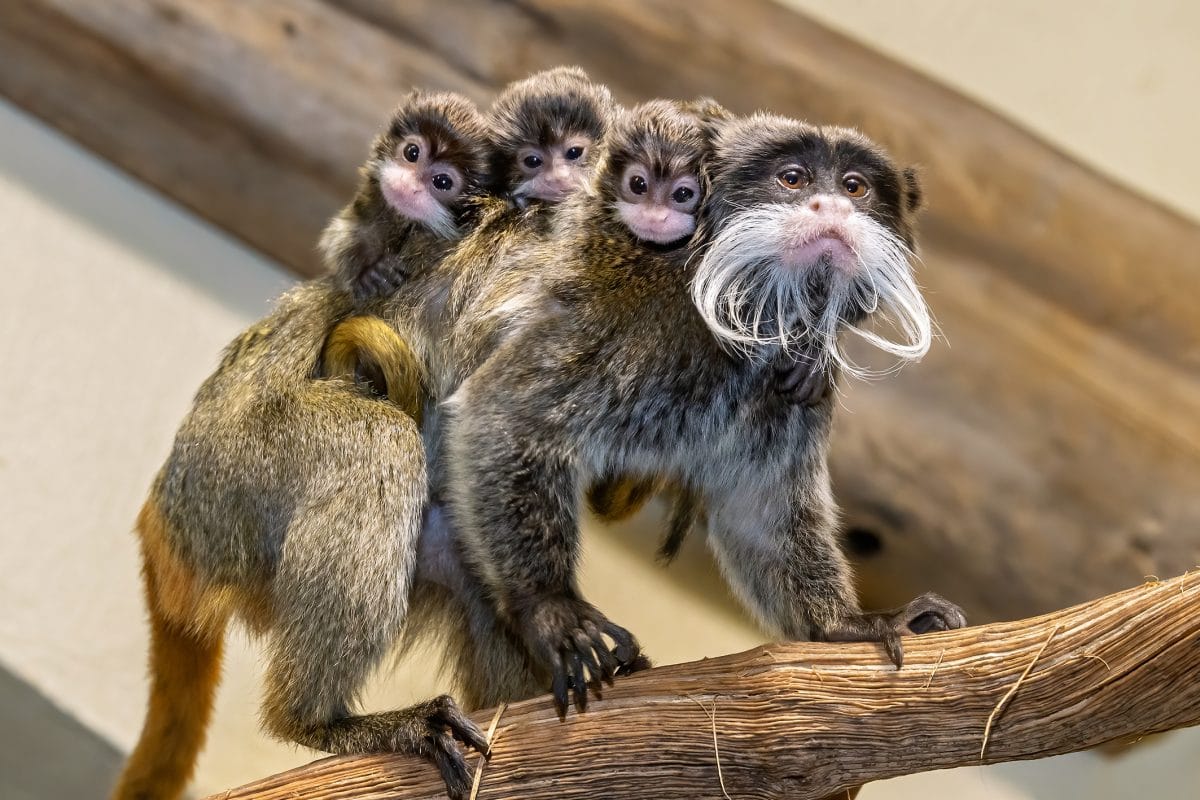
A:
{"points": [[752, 301]]}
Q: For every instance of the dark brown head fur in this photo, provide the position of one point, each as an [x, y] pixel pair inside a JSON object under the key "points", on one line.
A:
{"points": [[544, 108]]}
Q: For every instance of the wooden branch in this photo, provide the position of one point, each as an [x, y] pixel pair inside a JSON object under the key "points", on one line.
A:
{"points": [[805, 721], [1065, 398]]}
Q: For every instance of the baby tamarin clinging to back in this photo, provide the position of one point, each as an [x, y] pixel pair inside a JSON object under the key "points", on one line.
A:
{"points": [[296, 504], [660, 365], [545, 131], [412, 199], [542, 131]]}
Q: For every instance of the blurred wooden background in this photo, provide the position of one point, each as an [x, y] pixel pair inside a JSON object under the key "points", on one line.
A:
{"points": [[1046, 452]]}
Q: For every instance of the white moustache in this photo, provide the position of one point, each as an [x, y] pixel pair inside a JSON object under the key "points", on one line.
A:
{"points": [[751, 300]]}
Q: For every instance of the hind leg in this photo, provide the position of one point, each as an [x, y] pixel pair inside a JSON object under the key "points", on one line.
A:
{"points": [[340, 601], [488, 664]]}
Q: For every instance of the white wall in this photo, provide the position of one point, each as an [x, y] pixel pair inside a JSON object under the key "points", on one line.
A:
{"points": [[116, 304]]}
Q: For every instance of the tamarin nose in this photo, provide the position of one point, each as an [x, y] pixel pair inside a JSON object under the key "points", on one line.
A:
{"points": [[829, 204]]}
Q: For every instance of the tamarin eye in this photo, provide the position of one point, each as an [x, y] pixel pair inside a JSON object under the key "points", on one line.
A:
{"points": [[792, 178], [412, 153], [855, 185], [637, 184], [574, 152], [443, 182], [533, 162], [682, 194]]}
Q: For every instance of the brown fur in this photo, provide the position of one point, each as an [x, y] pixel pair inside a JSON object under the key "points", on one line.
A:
{"points": [[366, 350], [187, 625]]}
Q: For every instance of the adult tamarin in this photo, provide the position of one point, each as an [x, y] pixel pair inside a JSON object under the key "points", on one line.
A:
{"points": [[657, 364], [295, 504]]}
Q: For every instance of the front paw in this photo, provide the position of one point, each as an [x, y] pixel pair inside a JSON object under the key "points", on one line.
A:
{"points": [[926, 614], [567, 635], [802, 381], [380, 279]]}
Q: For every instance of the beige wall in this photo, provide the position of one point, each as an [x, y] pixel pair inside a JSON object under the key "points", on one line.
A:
{"points": [[1111, 83], [117, 303]]}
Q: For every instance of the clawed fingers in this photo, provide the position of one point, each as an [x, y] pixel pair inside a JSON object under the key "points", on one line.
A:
{"points": [[453, 767], [929, 613], [586, 659], [464, 729], [627, 648]]}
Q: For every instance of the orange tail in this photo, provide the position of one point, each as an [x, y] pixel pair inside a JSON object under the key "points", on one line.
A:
{"points": [[185, 667]]}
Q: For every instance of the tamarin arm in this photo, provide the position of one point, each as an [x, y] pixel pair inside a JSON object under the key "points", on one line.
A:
{"points": [[522, 527]]}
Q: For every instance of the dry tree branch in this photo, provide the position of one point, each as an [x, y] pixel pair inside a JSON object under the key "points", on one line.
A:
{"points": [[807, 721]]}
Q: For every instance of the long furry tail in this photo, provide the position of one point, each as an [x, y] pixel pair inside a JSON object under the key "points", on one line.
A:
{"points": [[185, 667], [367, 351]]}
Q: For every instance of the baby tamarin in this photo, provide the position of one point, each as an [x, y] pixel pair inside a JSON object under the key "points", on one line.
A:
{"points": [[655, 363], [546, 130], [413, 196], [542, 132], [295, 505]]}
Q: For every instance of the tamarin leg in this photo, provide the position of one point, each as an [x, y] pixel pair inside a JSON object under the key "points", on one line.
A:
{"points": [[516, 508], [489, 664], [783, 561], [185, 667], [341, 596]]}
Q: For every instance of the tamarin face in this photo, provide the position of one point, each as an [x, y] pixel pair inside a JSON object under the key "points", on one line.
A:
{"points": [[432, 157], [653, 172], [810, 231], [545, 130]]}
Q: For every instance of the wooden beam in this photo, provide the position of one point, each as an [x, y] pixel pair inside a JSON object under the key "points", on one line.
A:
{"points": [[807, 721], [1065, 397]]}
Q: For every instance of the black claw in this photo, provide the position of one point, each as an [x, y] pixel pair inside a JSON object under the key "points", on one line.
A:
{"points": [[579, 684], [588, 657], [895, 648], [467, 732], [608, 665], [559, 689]]}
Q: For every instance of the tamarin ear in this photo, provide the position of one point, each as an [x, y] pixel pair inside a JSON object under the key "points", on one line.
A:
{"points": [[914, 195]]}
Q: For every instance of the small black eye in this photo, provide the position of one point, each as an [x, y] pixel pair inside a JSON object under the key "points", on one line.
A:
{"points": [[682, 194], [792, 178], [533, 162], [574, 152], [443, 182], [855, 185], [412, 153], [637, 184]]}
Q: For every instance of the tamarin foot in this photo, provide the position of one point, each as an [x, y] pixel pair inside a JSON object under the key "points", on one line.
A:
{"points": [[444, 722], [568, 636], [926, 614]]}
